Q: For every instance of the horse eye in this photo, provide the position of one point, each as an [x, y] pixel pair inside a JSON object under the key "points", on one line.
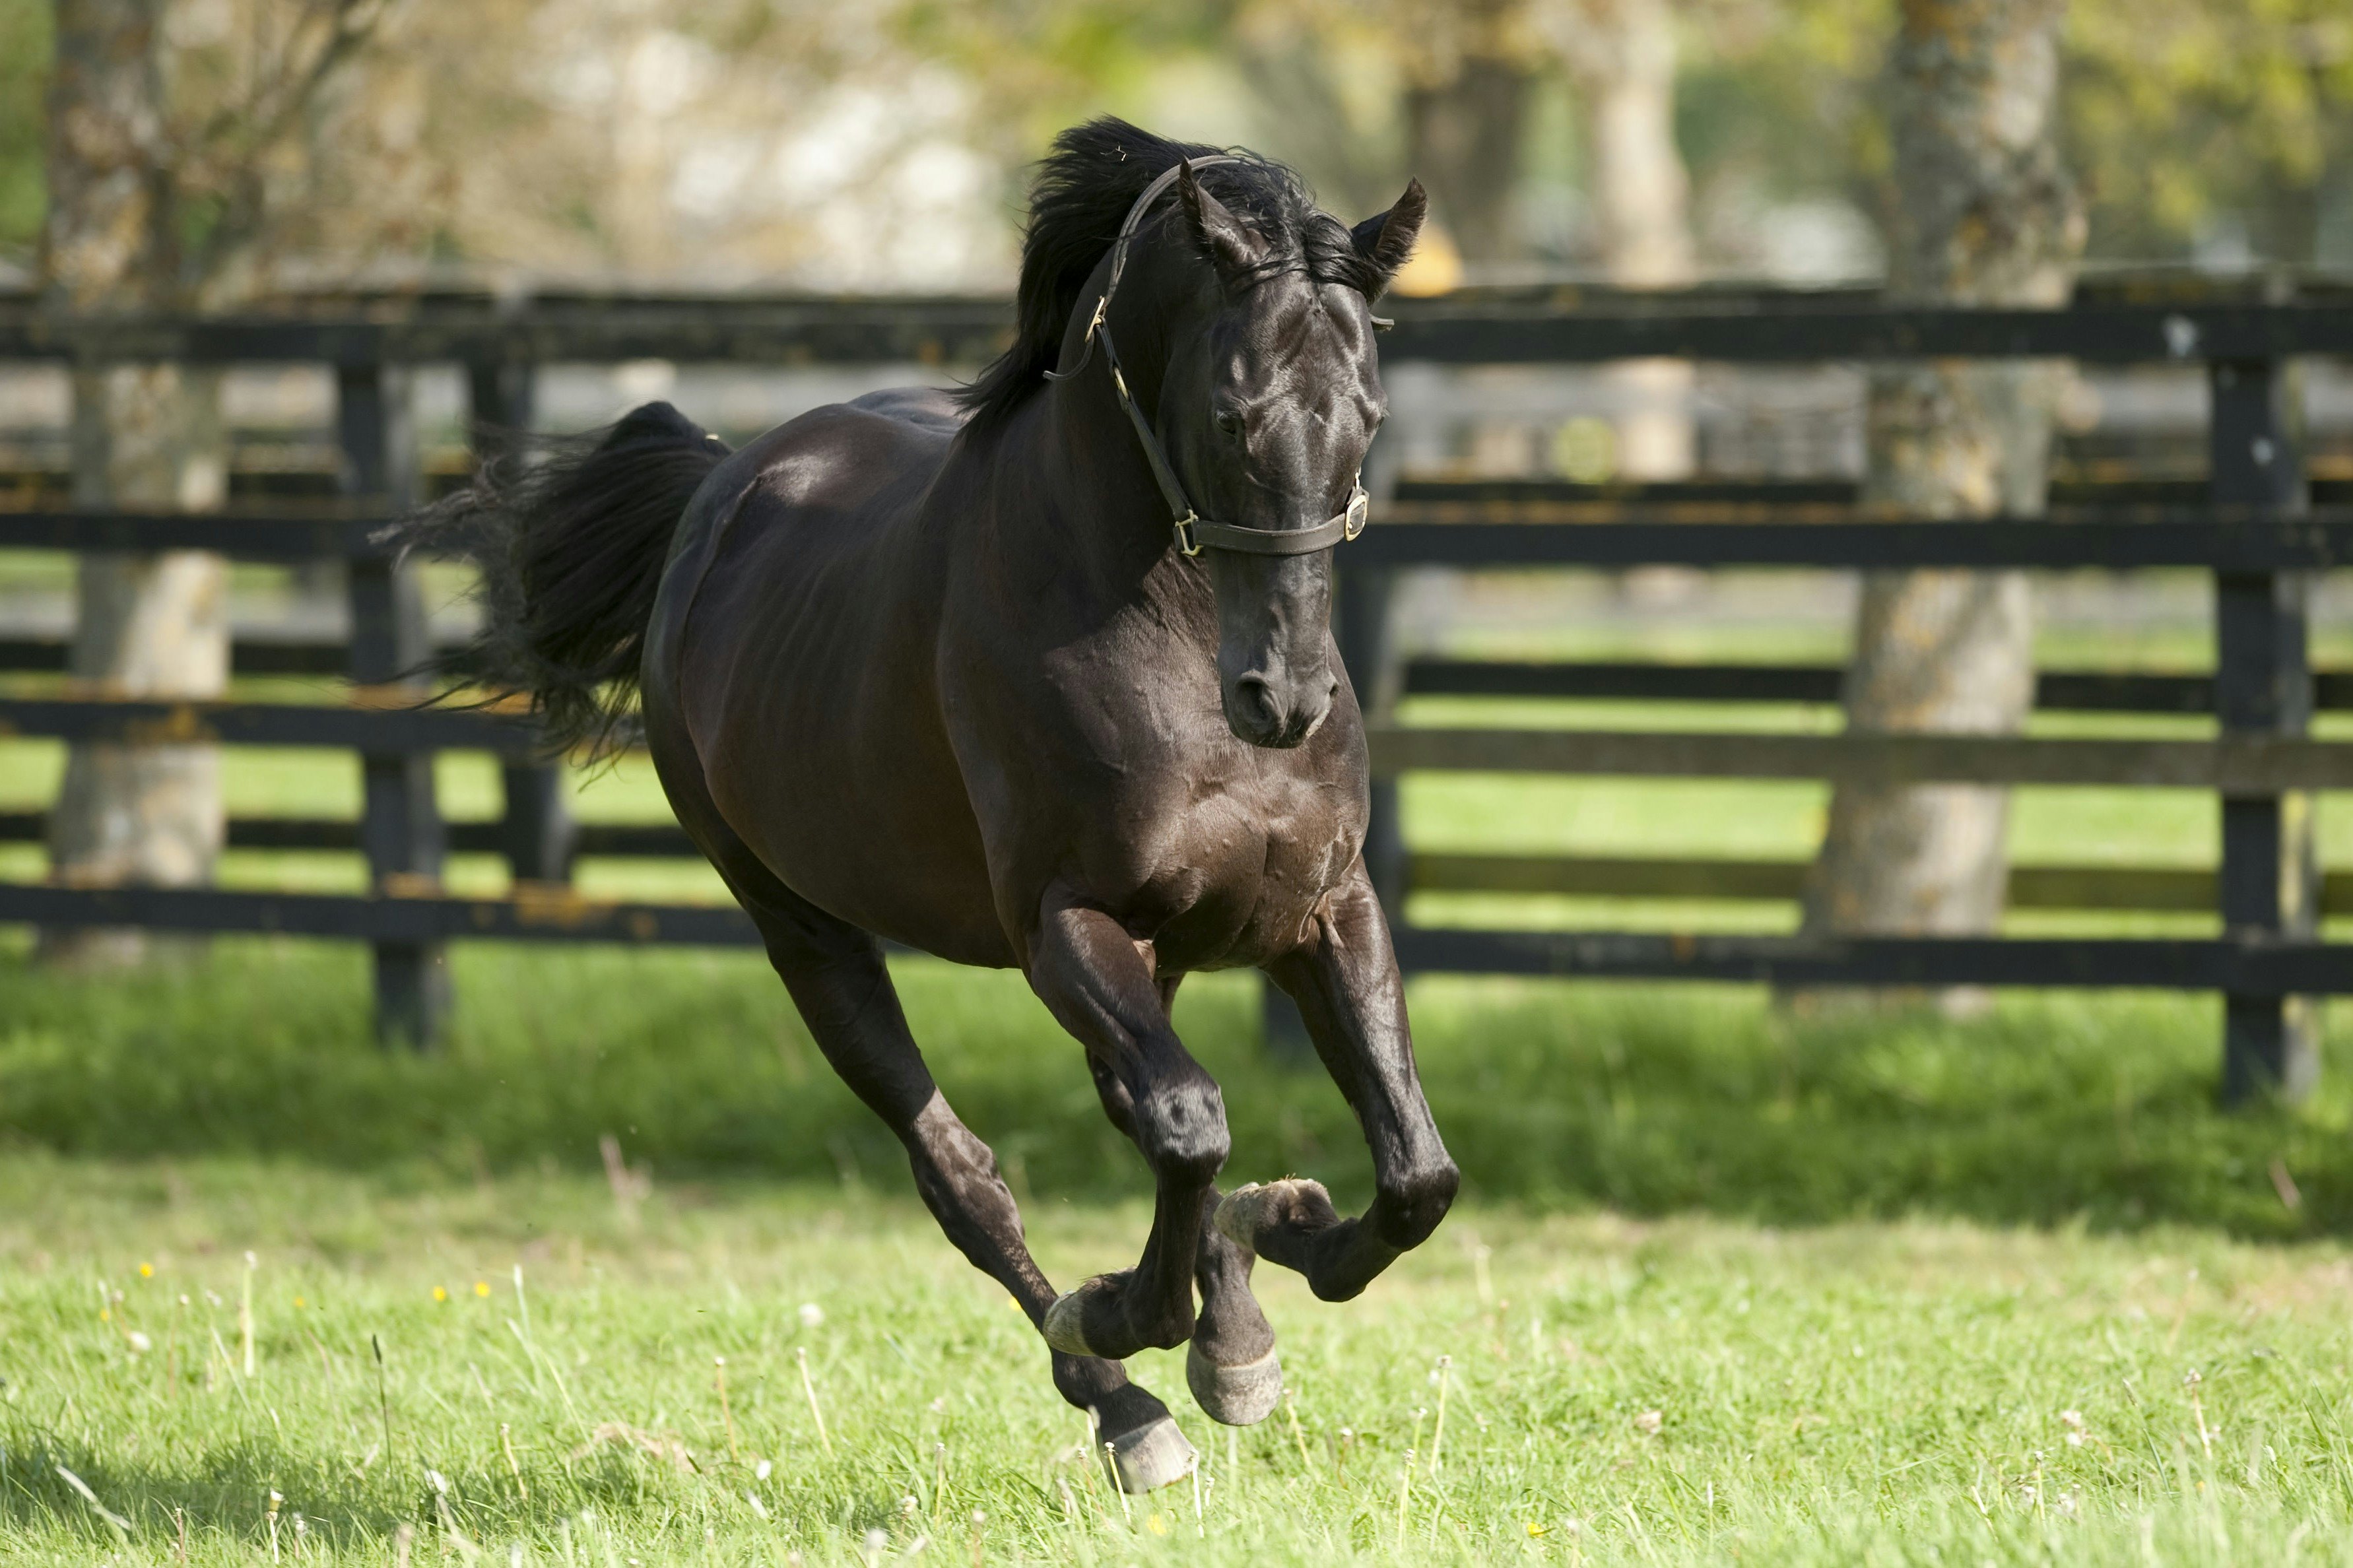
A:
{"points": [[1229, 420]]}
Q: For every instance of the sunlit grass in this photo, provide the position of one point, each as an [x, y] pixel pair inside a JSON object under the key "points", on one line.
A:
{"points": [[1689, 1391], [1730, 1282]]}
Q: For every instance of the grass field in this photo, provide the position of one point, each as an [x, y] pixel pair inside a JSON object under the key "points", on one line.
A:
{"points": [[1726, 1283]]}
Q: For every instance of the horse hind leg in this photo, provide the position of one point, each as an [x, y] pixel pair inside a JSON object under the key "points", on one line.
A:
{"points": [[839, 983]]}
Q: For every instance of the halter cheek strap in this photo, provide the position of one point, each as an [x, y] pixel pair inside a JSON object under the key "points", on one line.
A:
{"points": [[1195, 533]]}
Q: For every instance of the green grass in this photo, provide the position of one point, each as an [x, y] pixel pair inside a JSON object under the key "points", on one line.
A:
{"points": [[1895, 1288], [1863, 1268], [1650, 1101], [1690, 1390]]}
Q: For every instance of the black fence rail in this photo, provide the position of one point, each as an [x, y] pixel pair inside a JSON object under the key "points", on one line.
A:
{"points": [[2258, 528]]}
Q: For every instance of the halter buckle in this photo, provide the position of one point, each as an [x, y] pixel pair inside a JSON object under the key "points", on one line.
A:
{"points": [[1185, 545], [1359, 512]]}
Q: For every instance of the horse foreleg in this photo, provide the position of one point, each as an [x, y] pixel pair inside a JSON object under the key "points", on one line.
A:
{"points": [[1344, 979], [1099, 984], [1230, 1362]]}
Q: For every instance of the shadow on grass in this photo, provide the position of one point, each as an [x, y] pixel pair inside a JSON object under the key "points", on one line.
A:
{"points": [[1646, 1099], [222, 1496]]}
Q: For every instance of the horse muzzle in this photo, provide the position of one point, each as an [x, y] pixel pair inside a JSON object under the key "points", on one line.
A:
{"points": [[1277, 712]]}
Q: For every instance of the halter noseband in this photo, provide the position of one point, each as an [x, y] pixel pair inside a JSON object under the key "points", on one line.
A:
{"points": [[1194, 531]]}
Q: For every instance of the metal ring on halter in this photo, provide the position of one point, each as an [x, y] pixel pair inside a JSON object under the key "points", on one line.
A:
{"points": [[1194, 532]]}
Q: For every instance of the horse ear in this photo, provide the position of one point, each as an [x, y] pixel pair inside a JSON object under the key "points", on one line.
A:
{"points": [[1232, 245], [1385, 239]]}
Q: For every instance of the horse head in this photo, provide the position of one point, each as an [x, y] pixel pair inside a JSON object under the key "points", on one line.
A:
{"points": [[1269, 399]]}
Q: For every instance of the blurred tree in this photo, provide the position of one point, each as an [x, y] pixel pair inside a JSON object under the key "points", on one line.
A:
{"points": [[1621, 56], [1983, 214], [2214, 126], [743, 144], [24, 71], [1325, 85], [2196, 128], [163, 124], [1467, 67]]}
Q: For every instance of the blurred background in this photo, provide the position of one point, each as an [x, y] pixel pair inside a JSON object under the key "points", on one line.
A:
{"points": [[882, 147]]}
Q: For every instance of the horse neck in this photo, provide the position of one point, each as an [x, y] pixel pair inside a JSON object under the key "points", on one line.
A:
{"points": [[1106, 516]]}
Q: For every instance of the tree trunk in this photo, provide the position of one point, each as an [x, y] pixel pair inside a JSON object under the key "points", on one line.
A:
{"points": [[1983, 213], [144, 436], [1642, 198], [1462, 127]]}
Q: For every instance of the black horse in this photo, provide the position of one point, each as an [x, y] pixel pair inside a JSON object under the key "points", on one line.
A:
{"points": [[967, 672]]}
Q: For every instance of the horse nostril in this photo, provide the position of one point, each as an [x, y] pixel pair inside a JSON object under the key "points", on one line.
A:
{"points": [[1256, 704]]}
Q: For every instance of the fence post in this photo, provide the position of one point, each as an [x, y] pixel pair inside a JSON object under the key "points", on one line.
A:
{"points": [[537, 832], [400, 827], [2270, 880]]}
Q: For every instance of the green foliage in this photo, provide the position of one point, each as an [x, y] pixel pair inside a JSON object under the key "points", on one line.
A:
{"points": [[1783, 94], [2181, 118], [1046, 64], [25, 45], [2183, 112]]}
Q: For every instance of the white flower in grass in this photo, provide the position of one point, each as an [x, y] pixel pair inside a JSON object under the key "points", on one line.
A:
{"points": [[811, 1314]]}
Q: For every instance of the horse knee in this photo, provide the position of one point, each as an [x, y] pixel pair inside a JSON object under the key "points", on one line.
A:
{"points": [[1181, 1128], [1413, 1201]]}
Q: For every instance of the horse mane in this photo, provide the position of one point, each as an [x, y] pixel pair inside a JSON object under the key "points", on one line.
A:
{"points": [[1083, 188]]}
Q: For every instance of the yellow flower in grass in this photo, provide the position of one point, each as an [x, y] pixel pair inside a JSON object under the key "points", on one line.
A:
{"points": [[146, 1271], [481, 1287], [440, 1294]]}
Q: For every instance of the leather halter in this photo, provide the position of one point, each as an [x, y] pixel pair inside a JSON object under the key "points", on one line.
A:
{"points": [[1194, 531]]}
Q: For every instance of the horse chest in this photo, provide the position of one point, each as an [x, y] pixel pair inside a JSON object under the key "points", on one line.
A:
{"points": [[1221, 872]]}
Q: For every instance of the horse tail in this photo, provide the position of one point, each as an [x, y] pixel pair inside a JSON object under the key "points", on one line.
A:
{"points": [[570, 535]]}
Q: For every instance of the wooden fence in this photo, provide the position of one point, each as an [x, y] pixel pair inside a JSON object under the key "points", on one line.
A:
{"points": [[2255, 528]]}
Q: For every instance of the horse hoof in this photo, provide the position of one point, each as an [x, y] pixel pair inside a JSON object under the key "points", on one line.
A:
{"points": [[1064, 1329], [1249, 1209], [1241, 1395], [1153, 1455]]}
